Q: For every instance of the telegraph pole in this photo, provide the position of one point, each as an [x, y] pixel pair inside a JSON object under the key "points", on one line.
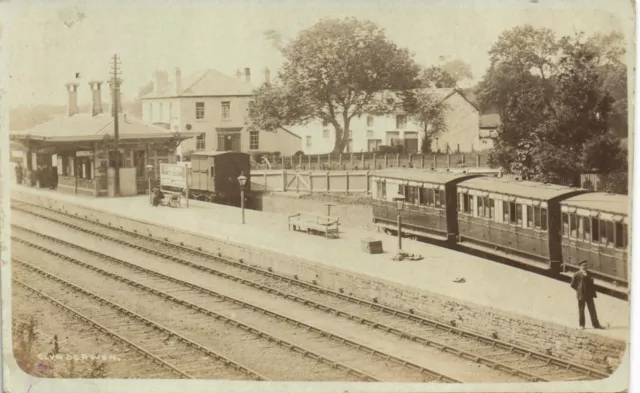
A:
{"points": [[115, 91]]}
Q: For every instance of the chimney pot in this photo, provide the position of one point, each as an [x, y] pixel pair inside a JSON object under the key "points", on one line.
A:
{"points": [[247, 75], [96, 94], [178, 81], [267, 75], [239, 74], [72, 106]]}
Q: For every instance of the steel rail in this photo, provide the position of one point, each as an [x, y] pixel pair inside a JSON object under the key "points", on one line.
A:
{"points": [[254, 330], [147, 322], [511, 348]]}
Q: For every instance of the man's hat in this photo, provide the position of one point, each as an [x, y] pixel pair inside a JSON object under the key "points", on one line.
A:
{"points": [[583, 262]]}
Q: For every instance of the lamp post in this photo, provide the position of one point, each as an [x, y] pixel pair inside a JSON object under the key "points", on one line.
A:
{"points": [[399, 203], [242, 179], [149, 169]]}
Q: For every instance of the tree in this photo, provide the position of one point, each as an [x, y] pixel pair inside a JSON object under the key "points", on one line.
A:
{"points": [[427, 110], [457, 69], [334, 71], [436, 77], [553, 105]]}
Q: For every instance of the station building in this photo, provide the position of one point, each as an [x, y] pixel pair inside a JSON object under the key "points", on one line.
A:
{"points": [[80, 148]]}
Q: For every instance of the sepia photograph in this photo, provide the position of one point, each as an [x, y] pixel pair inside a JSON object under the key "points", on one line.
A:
{"points": [[316, 196]]}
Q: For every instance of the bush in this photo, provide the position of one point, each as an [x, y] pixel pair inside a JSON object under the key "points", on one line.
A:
{"points": [[257, 157], [276, 154], [299, 153], [384, 149]]}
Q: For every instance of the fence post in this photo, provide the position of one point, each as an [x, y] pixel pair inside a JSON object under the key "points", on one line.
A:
{"points": [[293, 164], [265, 181], [398, 160], [477, 160], [340, 160], [319, 165], [297, 183], [310, 181], [374, 161], [329, 161], [309, 159], [367, 181], [410, 161], [422, 161], [448, 160], [328, 181], [284, 180], [363, 160], [351, 160], [347, 175], [386, 160], [464, 159], [300, 161], [435, 161]]}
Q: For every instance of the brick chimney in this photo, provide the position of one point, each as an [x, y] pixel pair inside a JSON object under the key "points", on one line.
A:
{"points": [[72, 106], [178, 84], [239, 74], [267, 76], [96, 93], [247, 75]]}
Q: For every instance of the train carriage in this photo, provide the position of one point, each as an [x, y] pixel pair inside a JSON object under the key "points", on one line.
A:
{"points": [[429, 207], [518, 218], [214, 176], [595, 228]]}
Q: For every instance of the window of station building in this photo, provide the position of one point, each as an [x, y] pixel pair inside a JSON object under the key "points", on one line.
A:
{"points": [[199, 110], [226, 109], [139, 162], [254, 141], [84, 168], [200, 142], [115, 157], [621, 235]]}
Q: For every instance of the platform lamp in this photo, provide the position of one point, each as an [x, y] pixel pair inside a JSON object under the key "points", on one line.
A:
{"points": [[398, 200], [242, 179], [149, 169]]}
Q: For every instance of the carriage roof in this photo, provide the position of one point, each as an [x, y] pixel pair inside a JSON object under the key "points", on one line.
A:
{"points": [[519, 188], [600, 201]]}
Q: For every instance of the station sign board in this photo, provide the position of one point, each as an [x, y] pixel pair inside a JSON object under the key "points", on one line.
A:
{"points": [[84, 153], [173, 175]]}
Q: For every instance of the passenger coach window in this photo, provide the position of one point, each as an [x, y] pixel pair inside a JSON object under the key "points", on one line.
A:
{"points": [[565, 224], [492, 208], [529, 217], [466, 203], [595, 229], [621, 235], [480, 204], [573, 222], [505, 211], [443, 201], [586, 224], [412, 195], [426, 197], [543, 218], [610, 234]]}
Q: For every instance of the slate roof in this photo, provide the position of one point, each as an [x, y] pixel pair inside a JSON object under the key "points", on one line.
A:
{"points": [[81, 127], [206, 83], [489, 120]]}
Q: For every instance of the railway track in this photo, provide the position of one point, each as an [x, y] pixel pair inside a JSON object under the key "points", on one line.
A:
{"points": [[507, 357], [133, 361], [183, 357], [196, 298]]}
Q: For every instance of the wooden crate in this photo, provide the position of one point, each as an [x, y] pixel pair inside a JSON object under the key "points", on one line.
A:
{"points": [[371, 246]]}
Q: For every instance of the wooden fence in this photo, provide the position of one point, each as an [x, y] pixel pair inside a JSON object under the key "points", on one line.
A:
{"points": [[310, 181], [373, 161]]}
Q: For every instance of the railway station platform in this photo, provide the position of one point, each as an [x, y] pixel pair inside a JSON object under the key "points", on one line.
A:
{"points": [[486, 284]]}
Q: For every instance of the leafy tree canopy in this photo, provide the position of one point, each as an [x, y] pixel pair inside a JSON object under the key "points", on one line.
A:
{"points": [[334, 71], [554, 103]]}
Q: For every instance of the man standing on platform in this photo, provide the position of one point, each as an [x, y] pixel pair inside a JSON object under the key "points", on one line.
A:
{"points": [[585, 289]]}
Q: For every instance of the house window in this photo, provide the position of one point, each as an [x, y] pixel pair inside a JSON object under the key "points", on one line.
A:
{"points": [[325, 133], [308, 142], [325, 123], [372, 144], [161, 118], [369, 121], [226, 109], [200, 142], [401, 122], [369, 133], [254, 141], [199, 110]]}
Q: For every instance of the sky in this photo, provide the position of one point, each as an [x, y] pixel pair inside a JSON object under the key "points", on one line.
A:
{"points": [[48, 44]]}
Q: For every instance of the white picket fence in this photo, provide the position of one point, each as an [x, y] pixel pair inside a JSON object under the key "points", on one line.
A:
{"points": [[311, 181]]}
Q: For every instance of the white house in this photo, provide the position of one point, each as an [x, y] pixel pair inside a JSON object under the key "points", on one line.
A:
{"points": [[367, 133], [216, 105]]}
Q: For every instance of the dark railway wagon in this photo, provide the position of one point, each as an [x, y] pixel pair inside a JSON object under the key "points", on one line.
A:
{"points": [[214, 176], [430, 201], [515, 217], [595, 228]]}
